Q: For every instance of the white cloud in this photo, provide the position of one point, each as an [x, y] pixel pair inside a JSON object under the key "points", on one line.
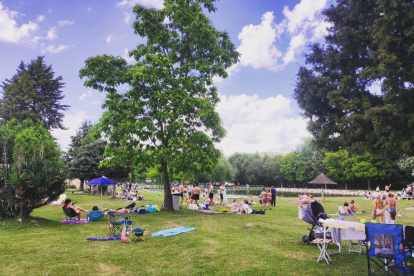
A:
{"points": [[72, 122], [127, 17], [254, 124], [127, 57], [257, 46], [302, 13], [40, 18], [85, 95], [63, 23], [261, 46], [109, 38], [9, 30], [51, 34], [158, 4], [55, 49]]}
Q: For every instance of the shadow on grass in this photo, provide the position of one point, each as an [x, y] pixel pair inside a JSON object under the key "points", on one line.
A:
{"points": [[31, 222]]}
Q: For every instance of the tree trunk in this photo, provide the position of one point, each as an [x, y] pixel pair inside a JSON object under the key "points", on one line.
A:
{"points": [[114, 191], [82, 181], [369, 185], [167, 192], [24, 212]]}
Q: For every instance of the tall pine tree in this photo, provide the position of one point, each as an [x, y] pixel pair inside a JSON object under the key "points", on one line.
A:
{"points": [[33, 93]]}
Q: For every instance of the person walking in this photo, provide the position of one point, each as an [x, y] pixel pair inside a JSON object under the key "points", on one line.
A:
{"points": [[392, 204], [211, 194], [273, 191], [181, 191]]}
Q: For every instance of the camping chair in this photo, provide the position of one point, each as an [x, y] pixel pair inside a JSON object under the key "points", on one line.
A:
{"points": [[136, 234], [407, 249], [383, 249], [70, 213], [117, 222], [95, 215]]}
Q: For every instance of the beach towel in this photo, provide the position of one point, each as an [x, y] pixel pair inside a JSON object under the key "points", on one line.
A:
{"points": [[68, 221], [173, 231], [104, 239]]}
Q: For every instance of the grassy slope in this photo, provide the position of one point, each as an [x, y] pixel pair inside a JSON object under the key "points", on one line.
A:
{"points": [[222, 245]]}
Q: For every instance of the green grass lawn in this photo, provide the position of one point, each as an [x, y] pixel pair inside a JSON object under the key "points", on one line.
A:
{"points": [[222, 245]]}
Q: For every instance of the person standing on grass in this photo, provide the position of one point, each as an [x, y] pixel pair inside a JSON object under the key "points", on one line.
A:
{"points": [[189, 191], [387, 188], [392, 204], [220, 192], [181, 191], [263, 196], [195, 194], [378, 209], [273, 191], [269, 199], [211, 194]]}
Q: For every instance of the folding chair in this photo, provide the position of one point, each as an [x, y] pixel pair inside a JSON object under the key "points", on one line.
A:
{"points": [[117, 222], [383, 249], [407, 249], [95, 216], [70, 213], [136, 234], [323, 246]]}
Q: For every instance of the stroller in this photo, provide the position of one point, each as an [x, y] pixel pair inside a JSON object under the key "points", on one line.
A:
{"points": [[311, 214]]}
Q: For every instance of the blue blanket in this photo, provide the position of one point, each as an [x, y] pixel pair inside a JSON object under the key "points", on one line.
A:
{"points": [[173, 231], [104, 239]]}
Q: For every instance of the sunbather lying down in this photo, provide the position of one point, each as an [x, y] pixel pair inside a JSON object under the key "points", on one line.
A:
{"points": [[345, 210]]}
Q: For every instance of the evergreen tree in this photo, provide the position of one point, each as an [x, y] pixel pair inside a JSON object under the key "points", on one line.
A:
{"points": [[33, 93], [369, 43]]}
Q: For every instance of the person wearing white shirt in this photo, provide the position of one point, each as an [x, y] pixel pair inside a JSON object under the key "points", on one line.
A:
{"points": [[247, 210]]}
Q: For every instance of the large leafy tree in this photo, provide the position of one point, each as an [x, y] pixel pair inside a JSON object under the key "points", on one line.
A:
{"points": [[32, 174], [293, 168], [167, 113], [370, 43], [33, 93], [240, 163]]}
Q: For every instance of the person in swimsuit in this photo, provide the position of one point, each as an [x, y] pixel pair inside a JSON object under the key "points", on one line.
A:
{"points": [[195, 194], [392, 204], [181, 191], [269, 199], [211, 194], [387, 188], [263, 196], [378, 209], [377, 189], [68, 204], [352, 206]]}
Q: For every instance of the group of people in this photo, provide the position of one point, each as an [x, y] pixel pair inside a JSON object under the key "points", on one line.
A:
{"points": [[380, 205], [244, 208], [348, 209], [191, 193], [267, 198]]}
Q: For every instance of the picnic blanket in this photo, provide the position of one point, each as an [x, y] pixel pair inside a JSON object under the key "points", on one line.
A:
{"points": [[68, 221], [173, 231], [104, 239]]}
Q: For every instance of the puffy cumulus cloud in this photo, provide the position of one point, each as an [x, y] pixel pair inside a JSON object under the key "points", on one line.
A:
{"points": [[72, 122], [254, 124], [261, 45], [9, 30], [303, 14], [257, 47], [109, 38], [51, 34], [158, 4], [88, 94], [64, 23]]}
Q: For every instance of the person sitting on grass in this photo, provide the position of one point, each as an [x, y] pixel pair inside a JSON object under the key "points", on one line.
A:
{"points": [[235, 208], [247, 210], [352, 206], [345, 210], [77, 209], [141, 198]]}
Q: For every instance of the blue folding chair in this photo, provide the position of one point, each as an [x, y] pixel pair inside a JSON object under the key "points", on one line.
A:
{"points": [[117, 222], [95, 215], [384, 249]]}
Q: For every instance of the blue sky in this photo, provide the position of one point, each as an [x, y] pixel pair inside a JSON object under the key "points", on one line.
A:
{"points": [[256, 104]]}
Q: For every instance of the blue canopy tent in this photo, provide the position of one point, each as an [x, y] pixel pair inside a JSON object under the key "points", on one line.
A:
{"points": [[101, 181]]}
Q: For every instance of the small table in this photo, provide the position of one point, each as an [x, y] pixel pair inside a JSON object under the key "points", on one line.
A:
{"points": [[343, 230]]}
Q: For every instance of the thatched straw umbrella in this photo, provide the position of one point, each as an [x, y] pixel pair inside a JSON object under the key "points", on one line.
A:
{"points": [[322, 179]]}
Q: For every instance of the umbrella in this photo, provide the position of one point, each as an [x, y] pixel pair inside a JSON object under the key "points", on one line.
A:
{"points": [[101, 181], [322, 179]]}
